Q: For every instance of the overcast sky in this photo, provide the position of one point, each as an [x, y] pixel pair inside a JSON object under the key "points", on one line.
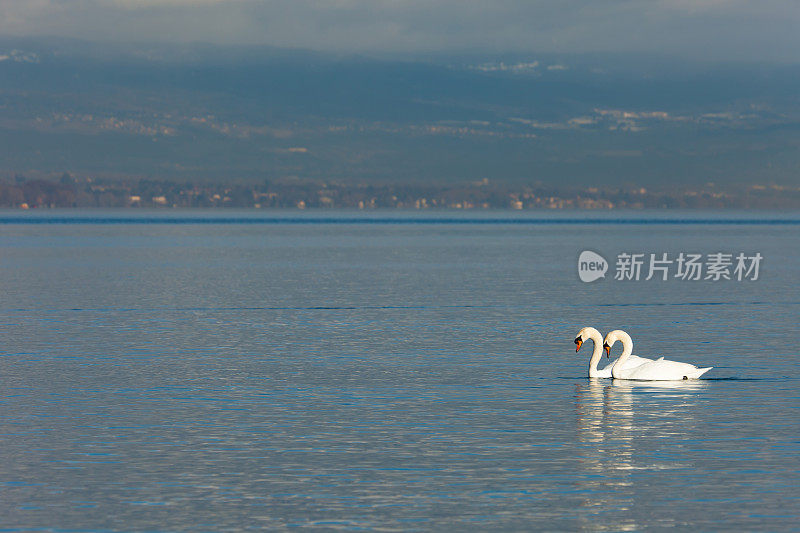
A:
{"points": [[761, 30]]}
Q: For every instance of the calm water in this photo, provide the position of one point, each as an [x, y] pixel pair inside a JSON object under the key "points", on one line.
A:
{"points": [[394, 376]]}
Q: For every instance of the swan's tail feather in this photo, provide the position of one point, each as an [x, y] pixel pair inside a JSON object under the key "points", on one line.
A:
{"points": [[697, 373]]}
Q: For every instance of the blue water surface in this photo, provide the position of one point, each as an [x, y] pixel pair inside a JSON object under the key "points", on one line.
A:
{"points": [[171, 371]]}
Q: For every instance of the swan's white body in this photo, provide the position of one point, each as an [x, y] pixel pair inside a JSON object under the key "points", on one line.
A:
{"points": [[658, 370], [597, 339]]}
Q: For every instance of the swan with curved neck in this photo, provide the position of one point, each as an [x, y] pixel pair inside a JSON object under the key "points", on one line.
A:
{"points": [[596, 337], [658, 370]]}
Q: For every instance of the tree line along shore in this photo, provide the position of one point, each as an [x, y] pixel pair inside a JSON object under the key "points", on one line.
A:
{"points": [[70, 192]]}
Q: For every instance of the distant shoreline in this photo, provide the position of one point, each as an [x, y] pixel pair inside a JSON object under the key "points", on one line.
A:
{"points": [[70, 192], [346, 217]]}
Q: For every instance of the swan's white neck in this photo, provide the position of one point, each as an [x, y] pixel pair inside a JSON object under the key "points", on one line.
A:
{"points": [[627, 350], [597, 353]]}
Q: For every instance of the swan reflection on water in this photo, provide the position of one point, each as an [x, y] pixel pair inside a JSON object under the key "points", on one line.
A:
{"points": [[683, 386], [621, 428]]}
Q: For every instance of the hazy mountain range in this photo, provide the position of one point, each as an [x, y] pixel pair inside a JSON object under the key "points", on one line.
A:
{"points": [[232, 113]]}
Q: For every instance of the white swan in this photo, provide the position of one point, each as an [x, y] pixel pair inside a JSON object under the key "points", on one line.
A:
{"points": [[597, 338], [658, 370]]}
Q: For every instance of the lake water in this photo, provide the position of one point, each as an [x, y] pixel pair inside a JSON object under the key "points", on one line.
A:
{"points": [[213, 371]]}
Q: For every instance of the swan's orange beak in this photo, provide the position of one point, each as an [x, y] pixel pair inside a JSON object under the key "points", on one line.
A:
{"points": [[578, 344], [607, 349]]}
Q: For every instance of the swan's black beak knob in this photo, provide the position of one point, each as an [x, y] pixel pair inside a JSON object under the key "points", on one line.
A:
{"points": [[578, 343], [607, 348]]}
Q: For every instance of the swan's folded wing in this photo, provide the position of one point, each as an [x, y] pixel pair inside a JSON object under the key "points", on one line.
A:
{"points": [[663, 370], [633, 362]]}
